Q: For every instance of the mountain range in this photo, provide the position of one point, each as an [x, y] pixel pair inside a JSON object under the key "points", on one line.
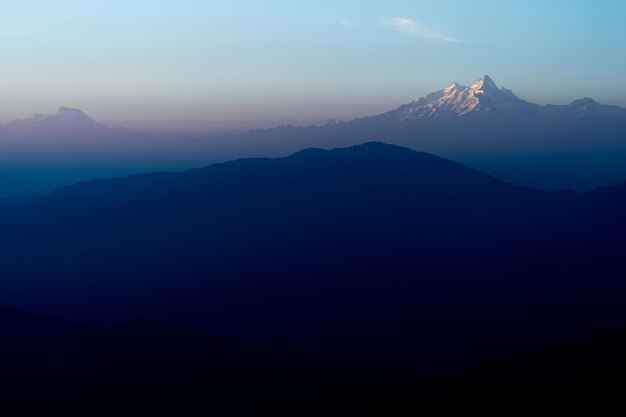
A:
{"points": [[396, 258], [581, 145], [482, 99]]}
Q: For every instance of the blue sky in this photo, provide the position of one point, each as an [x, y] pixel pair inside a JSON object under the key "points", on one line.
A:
{"points": [[218, 65]]}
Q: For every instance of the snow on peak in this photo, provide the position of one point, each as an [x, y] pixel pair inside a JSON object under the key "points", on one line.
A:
{"points": [[483, 96], [454, 87], [484, 99], [485, 83]]}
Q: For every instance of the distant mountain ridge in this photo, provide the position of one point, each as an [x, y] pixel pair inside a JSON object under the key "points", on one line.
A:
{"points": [[65, 123], [484, 98]]}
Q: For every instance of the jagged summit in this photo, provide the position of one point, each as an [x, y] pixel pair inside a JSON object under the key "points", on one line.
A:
{"points": [[485, 83]]}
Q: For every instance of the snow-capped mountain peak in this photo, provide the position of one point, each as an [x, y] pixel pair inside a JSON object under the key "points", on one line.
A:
{"points": [[485, 99], [456, 100]]}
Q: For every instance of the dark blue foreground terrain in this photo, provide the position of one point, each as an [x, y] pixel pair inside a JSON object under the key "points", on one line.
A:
{"points": [[392, 260]]}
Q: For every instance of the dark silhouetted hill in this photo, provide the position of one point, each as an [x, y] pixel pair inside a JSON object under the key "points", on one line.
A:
{"points": [[395, 258]]}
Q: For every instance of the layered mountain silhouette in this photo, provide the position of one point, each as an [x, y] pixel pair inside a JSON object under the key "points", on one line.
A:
{"points": [[396, 258], [581, 145]]}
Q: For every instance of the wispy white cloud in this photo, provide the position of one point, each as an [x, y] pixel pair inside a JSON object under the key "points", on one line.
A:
{"points": [[341, 20], [413, 28], [344, 21]]}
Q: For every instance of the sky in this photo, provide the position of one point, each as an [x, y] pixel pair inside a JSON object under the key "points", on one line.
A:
{"points": [[202, 66]]}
